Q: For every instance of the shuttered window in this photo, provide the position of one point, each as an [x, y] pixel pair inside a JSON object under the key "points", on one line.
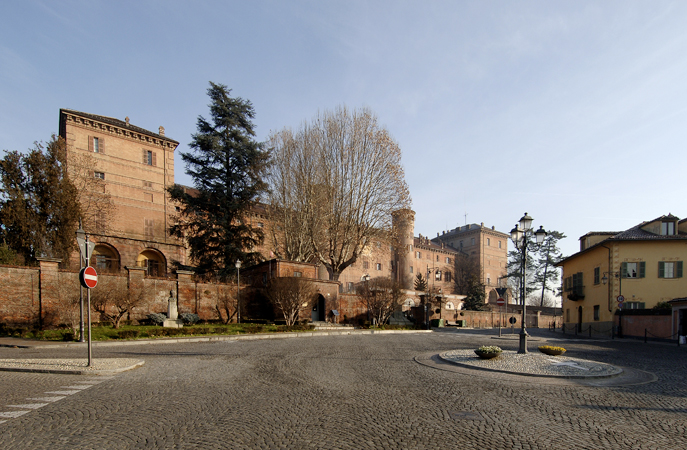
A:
{"points": [[149, 158], [670, 269], [633, 269], [96, 144]]}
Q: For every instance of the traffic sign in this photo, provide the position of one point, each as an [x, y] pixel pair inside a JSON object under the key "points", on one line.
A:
{"points": [[82, 247], [621, 299], [500, 302], [88, 277], [512, 320]]}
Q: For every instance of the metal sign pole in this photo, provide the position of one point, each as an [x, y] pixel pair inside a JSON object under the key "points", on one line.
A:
{"points": [[88, 294]]}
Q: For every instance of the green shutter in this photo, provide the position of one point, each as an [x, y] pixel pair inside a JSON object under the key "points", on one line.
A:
{"points": [[661, 269], [679, 269], [642, 269], [623, 270]]}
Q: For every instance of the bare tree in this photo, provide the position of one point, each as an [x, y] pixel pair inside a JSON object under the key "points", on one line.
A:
{"points": [[113, 300], [381, 296], [348, 176], [466, 269], [226, 304], [97, 206], [68, 295], [291, 295]]}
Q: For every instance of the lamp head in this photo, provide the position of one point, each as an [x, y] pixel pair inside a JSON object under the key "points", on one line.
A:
{"points": [[238, 263], [526, 223], [540, 234]]}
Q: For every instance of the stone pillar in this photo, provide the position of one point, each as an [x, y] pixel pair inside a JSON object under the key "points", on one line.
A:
{"points": [[48, 292]]}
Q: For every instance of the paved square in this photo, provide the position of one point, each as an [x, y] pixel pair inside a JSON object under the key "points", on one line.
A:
{"points": [[347, 392]]}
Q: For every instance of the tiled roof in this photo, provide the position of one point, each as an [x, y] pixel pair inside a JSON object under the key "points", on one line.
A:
{"points": [[117, 123]]}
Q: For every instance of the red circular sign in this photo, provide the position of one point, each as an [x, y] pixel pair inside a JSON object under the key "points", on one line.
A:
{"points": [[88, 277], [500, 302]]}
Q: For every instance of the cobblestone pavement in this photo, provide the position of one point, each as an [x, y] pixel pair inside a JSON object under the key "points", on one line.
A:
{"points": [[344, 392]]}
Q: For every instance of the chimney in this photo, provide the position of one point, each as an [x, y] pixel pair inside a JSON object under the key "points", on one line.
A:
{"points": [[126, 119], [161, 130]]}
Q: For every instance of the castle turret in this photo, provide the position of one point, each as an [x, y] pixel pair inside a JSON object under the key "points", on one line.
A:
{"points": [[403, 224]]}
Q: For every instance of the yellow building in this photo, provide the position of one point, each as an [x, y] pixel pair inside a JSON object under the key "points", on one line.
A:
{"points": [[641, 266]]}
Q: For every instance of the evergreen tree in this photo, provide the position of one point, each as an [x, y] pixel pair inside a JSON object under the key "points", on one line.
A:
{"points": [[474, 301], [549, 255], [227, 167], [514, 273], [420, 283], [39, 208]]}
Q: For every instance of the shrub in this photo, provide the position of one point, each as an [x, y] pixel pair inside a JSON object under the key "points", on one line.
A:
{"points": [[489, 349], [157, 318], [551, 348], [128, 334], [189, 318]]}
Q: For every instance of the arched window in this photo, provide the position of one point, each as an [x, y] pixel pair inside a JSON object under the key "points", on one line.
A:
{"points": [[105, 258], [153, 261], [450, 305]]}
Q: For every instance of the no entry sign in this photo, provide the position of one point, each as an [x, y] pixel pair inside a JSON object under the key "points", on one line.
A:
{"points": [[500, 302], [88, 277]]}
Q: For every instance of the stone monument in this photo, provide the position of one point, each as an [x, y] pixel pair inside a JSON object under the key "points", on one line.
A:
{"points": [[172, 320]]}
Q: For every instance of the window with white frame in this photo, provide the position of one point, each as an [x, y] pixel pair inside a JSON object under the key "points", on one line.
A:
{"points": [[633, 269], [672, 269], [667, 228], [100, 175]]}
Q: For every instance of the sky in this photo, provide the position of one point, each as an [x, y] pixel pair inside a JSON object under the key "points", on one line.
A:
{"points": [[573, 112]]}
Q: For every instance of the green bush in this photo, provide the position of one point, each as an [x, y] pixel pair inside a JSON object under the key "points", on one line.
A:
{"points": [[128, 334]]}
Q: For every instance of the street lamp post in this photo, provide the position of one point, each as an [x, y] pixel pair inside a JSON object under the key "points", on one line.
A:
{"points": [[521, 238], [238, 290], [604, 280], [81, 236]]}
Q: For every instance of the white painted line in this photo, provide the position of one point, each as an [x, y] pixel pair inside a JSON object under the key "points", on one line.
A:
{"points": [[77, 387], [13, 414], [62, 392], [28, 406], [3, 421], [47, 399]]}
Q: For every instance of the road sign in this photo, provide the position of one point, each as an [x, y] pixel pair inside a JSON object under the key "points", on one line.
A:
{"points": [[500, 302], [512, 320], [88, 277], [82, 247], [621, 299]]}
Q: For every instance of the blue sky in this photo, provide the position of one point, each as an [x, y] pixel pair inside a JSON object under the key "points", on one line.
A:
{"points": [[572, 111]]}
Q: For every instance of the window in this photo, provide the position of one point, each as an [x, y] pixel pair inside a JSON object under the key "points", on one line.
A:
{"points": [[633, 269], [472, 241], [597, 273], [379, 266], [447, 276], [350, 287], [488, 242], [411, 269], [437, 258], [667, 228], [260, 224], [633, 305], [499, 244], [418, 255], [596, 312], [670, 269], [149, 158], [148, 184], [488, 281], [100, 175], [96, 144], [461, 244], [366, 265], [298, 274]]}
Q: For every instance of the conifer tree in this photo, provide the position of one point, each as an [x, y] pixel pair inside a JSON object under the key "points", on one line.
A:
{"points": [[227, 167], [474, 301]]}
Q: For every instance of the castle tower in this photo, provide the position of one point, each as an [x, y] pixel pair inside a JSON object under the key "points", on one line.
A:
{"points": [[403, 225]]}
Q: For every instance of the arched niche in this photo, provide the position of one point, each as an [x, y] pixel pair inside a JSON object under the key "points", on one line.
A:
{"points": [[153, 261], [105, 258]]}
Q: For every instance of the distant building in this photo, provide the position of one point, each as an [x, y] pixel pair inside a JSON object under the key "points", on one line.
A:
{"points": [[644, 264], [487, 247]]}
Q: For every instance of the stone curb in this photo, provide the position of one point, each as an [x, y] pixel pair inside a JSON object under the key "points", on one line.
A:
{"points": [[444, 358], [218, 338], [56, 369]]}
